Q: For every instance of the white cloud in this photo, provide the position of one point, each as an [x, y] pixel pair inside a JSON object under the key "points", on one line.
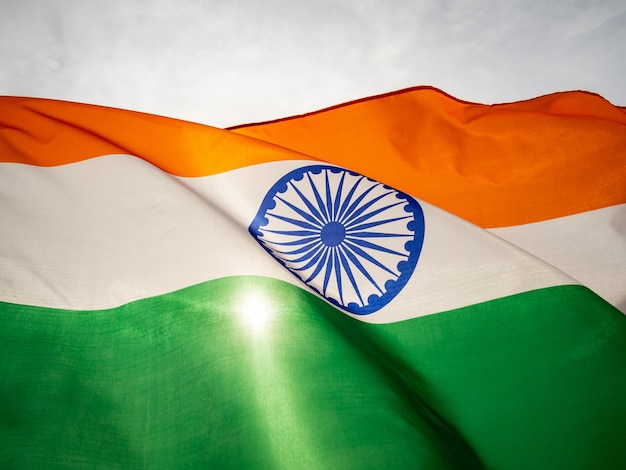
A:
{"points": [[227, 62]]}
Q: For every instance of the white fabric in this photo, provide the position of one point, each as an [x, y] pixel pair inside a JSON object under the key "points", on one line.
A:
{"points": [[590, 247], [114, 229]]}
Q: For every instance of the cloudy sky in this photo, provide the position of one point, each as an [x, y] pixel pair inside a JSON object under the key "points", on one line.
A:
{"points": [[227, 62]]}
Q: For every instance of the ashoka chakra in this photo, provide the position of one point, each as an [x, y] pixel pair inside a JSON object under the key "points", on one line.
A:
{"points": [[353, 240]]}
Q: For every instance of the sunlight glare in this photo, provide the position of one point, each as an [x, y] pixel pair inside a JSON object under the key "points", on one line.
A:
{"points": [[255, 311]]}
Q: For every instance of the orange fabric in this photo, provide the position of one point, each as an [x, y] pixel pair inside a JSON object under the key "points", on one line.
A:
{"points": [[495, 166], [49, 133]]}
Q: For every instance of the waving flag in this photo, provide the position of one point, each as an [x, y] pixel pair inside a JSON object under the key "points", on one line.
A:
{"points": [[406, 281]]}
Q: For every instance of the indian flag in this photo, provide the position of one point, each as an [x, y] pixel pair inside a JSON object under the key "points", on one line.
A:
{"points": [[405, 281]]}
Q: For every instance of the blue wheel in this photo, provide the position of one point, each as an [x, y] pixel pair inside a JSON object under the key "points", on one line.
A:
{"points": [[353, 240]]}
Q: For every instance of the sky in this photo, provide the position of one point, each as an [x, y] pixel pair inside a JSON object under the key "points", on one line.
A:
{"points": [[225, 63]]}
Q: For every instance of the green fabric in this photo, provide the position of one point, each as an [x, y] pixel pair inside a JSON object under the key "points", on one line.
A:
{"points": [[187, 380]]}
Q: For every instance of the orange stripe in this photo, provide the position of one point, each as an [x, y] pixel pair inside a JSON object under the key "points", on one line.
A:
{"points": [[49, 133], [495, 166]]}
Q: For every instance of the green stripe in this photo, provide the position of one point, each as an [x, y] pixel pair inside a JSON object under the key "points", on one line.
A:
{"points": [[185, 380]]}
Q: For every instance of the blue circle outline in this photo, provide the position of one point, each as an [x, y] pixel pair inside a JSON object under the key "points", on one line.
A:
{"points": [[406, 267]]}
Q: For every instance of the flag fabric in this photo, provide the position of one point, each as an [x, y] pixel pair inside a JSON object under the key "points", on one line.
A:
{"points": [[405, 281]]}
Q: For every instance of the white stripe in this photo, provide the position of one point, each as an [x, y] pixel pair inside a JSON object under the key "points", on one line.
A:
{"points": [[590, 247], [462, 264], [107, 231]]}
